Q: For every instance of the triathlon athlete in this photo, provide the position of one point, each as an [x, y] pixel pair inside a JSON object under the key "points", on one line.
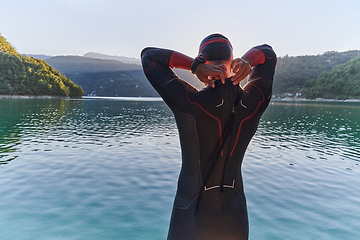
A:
{"points": [[215, 127]]}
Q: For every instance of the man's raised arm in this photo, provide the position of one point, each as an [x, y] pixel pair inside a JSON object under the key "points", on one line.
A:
{"points": [[152, 57], [259, 62]]}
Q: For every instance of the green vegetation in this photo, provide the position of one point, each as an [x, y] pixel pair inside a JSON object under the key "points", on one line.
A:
{"points": [[342, 82], [22, 75], [293, 72], [330, 75], [104, 77]]}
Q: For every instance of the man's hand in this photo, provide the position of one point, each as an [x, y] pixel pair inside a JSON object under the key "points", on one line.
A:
{"points": [[207, 73], [241, 67]]}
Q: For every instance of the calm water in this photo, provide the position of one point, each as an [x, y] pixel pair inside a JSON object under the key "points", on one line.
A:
{"points": [[107, 169]]}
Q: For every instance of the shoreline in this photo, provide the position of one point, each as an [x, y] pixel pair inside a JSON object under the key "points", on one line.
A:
{"points": [[312, 100], [38, 97], [3, 96], [142, 99]]}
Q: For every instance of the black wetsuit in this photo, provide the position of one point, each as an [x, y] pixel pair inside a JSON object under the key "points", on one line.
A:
{"points": [[215, 127]]}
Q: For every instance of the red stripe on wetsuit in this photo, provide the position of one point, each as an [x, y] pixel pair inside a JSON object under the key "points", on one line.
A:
{"points": [[256, 56], [212, 116], [239, 130], [179, 60]]}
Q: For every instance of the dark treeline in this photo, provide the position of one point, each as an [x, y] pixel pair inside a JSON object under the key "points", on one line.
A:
{"points": [[22, 75], [293, 72]]}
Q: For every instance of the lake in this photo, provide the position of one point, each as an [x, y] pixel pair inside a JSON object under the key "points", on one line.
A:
{"points": [[107, 169]]}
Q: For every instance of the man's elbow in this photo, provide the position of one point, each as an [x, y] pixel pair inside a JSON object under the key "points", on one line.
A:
{"points": [[147, 58], [143, 52], [270, 51], [146, 51]]}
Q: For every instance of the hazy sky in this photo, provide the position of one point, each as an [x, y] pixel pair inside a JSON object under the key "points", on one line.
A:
{"points": [[117, 27]]}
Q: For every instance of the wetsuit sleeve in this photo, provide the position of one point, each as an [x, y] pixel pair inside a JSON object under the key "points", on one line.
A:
{"points": [[261, 78], [157, 65]]}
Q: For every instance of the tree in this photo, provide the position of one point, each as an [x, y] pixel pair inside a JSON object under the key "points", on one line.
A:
{"points": [[27, 75]]}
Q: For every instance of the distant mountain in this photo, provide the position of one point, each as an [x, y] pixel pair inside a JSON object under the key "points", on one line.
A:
{"points": [[110, 75], [105, 75], [23, 75], [40, 56], [290, 75], [183, 74], [112, 57]]}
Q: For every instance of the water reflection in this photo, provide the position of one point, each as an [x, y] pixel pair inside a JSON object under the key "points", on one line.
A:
{"points": [[110, 168], [327, 128], [42, 125], [21, 116]]}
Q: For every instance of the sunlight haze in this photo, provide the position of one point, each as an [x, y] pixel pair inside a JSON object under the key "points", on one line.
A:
{"points": [[124, 28]]}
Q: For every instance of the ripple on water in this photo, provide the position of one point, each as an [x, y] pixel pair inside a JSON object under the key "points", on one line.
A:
{"points": [[112, 169]]}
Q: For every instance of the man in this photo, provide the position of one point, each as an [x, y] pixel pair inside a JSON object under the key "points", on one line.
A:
{"points": [[215, 127]]}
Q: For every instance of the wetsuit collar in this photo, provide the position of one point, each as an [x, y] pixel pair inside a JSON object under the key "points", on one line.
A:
{"points": [[228, 83]]}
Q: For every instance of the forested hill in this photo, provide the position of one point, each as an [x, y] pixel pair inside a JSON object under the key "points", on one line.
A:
{"points": [[292, 72], [110, 77], [104, 77], [183, 74], [342, 82], [22, 75], [114, 78]]}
